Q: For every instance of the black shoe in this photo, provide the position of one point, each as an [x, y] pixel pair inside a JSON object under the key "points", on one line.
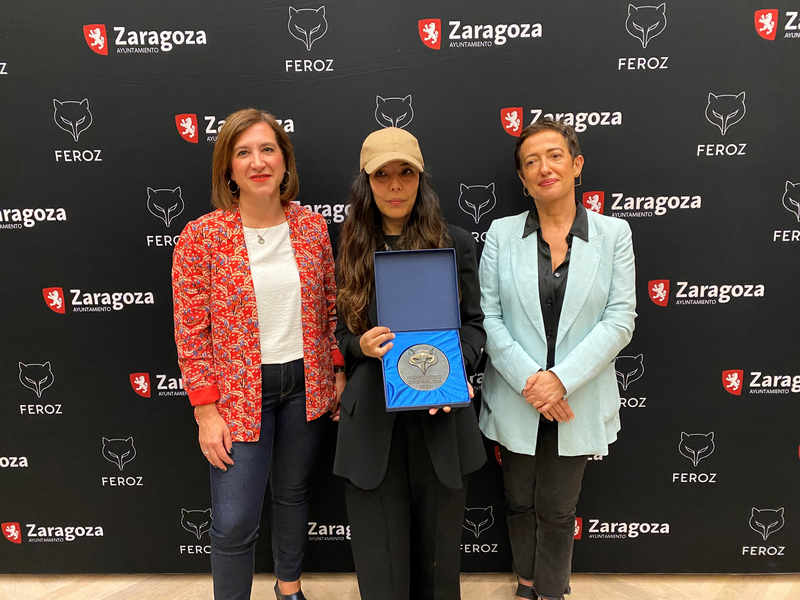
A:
{"points": [[297, 596], [525, 591]]}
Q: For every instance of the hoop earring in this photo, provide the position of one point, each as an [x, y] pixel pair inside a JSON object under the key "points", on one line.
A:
{"points": [[284, 181], [230, 189], [525, 191], [580, 180]]}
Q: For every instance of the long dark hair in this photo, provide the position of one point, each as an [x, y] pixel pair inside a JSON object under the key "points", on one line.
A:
{"points": [[362, 234]]}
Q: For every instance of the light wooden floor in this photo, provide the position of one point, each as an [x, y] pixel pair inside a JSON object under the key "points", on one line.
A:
{"points": [[344, 587]]}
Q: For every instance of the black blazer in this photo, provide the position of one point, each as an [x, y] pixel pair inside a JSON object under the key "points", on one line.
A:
{"points": [[365, 428]]}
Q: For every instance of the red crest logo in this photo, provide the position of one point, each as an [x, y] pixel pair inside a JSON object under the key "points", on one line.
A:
{"points": [[430, 32], [12, 532], [497, 456], [733, 382], [54, 297], [140, 382], [767, 23], [594, 201], [95, 36], [578, 528], [658, 290], [511, 118], [187, 127]]}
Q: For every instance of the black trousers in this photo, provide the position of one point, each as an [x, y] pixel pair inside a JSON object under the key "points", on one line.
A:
{"points": [[541, 495], [406, 533]]}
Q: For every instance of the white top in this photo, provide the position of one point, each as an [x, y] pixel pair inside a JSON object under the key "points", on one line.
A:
{"points": [[277, 285]]}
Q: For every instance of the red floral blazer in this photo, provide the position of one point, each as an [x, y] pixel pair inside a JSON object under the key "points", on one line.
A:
{"points": [[216, 319]]}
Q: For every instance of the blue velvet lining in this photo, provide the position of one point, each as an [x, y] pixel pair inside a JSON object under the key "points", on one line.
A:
{"points": [[453, 392]]}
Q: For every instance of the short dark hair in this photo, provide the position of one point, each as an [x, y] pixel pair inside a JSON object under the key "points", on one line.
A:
{"points": [[566, 131], [235, 124]]}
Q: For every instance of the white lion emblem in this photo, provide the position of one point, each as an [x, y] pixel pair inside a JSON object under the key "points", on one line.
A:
{"points": [[733, 381], [141, 384], [433, 35], [594, 203], [98, 38], [767, 23], [513, 120], [54, 299], [659, 293], [12, 532], [188, 128]]}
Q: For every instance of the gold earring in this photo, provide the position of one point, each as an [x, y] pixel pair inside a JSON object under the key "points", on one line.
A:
{"points": [[580, 179], [525, 191]]}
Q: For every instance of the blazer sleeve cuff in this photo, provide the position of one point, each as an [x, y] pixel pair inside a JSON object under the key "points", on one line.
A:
{"points": [[338, 359], [205, 395], [354, 347]]}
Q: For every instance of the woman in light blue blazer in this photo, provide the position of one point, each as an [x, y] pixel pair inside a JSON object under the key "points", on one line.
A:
{"points": [[558, 292]]}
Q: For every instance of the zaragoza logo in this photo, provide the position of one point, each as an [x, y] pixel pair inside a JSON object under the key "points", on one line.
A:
{"points": [[733, 381], [95, 36], [658, 289], [187, 127], [767, 23], [594, 201], [54, 297], [578, 528], [12, 532], [140, 382], [430, 32], [511, 119]]}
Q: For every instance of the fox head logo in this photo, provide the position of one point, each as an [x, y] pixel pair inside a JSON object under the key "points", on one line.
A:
{"points": [[187, 127], [72, 116], [478, 520], [594, 201], [696, 446], [511, 119], [477, 200], [393, 112], [120, 452], [732, 381], [422, 359], [629, 369], [140, 382], [578, 528], [36, 377], [54, 298], [725, 110], [430, 32], [767, 23], [658, 290], [766, 521], [95, 36], [646, 22], [791, 199], [165, 204], [307, 24], [196, 522], [12, 532]]}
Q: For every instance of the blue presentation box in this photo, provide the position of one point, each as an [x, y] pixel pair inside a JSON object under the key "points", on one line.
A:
{"points": [[417, 295]]}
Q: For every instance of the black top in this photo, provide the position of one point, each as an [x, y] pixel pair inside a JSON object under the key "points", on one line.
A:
{"points": [[553, 284], [365, 428]]}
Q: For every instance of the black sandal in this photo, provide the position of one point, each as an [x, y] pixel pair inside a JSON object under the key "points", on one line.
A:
{"points": [[525, 591]]}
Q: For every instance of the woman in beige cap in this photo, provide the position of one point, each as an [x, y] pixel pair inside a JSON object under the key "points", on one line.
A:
{"points": [[406, 471]]}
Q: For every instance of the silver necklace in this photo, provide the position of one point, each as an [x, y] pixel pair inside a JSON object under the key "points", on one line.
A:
{"points": [[258, 235]]}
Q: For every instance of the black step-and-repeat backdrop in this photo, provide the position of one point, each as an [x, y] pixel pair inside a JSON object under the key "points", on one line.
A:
{"points": [[687, 114]]}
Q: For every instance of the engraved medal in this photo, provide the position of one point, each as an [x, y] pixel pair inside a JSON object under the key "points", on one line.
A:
{"points": [[423, 367]]}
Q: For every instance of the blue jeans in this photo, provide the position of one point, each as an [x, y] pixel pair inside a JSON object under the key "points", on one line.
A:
{"points": [[288, 444]]}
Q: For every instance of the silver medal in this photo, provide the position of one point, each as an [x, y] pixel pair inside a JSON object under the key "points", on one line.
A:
{"points": [[423, 367]]}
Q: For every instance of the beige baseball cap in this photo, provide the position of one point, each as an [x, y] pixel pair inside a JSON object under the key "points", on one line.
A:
{"points": [[388, 144]]}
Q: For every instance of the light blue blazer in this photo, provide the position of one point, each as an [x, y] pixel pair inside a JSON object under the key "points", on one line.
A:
{"points": [[596, 323]]}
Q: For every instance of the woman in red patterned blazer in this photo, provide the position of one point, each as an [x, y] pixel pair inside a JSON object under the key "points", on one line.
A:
{"points": [[254, 299]]}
